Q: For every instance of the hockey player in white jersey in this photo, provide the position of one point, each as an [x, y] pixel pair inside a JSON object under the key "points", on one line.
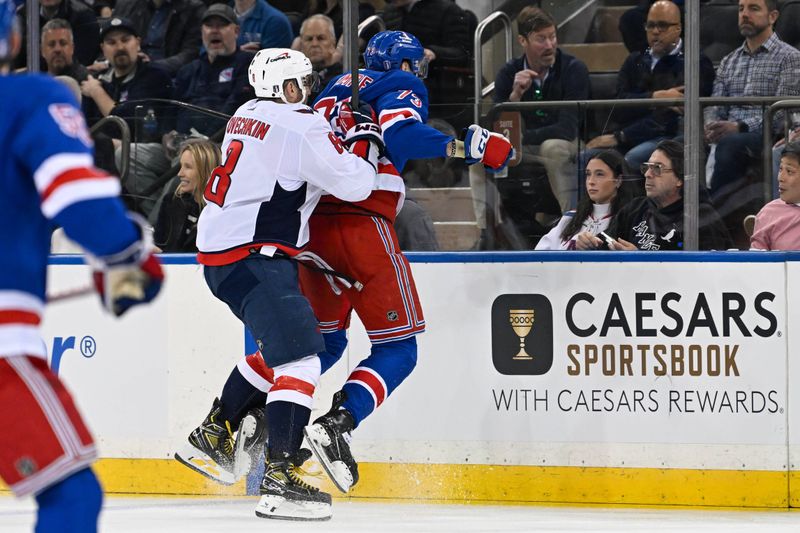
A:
{"points": [[279, 157]]}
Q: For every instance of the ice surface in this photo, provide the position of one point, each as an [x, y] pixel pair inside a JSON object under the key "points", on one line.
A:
{"points": [[179, 514]]}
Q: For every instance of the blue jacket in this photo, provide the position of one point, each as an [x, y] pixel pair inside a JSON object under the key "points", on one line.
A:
{"points": [[221, 86], [568, 80], [274, 26]]}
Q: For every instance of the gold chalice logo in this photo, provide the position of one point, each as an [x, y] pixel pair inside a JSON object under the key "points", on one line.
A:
{"points": [[521, 322]]}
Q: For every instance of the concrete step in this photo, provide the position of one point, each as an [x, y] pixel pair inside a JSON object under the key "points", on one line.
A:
{"points": [[446, 204], [456, 235]]}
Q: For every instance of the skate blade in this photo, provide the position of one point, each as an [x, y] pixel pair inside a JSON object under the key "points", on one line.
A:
{"points": [[337, 471], [279, 508], [204, 465], [242, 460]]}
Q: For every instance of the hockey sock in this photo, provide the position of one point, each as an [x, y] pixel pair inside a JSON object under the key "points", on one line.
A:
{"points": [[377, 376], [70, 506], [286, 421], [335, 343], [239, 395]]}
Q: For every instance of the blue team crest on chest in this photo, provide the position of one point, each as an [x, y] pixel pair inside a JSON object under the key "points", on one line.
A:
{"points": [[70, 121], [226, 75]]}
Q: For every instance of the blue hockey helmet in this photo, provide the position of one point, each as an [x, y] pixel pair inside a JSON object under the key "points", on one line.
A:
{"points": [[388, 49], [7, 21]]}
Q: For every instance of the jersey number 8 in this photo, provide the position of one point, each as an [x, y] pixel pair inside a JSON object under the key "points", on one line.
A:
{"points": [[220, 179]]}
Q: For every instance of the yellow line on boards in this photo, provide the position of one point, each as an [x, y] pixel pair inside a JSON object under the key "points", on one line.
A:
{"points": [[495, 484]]}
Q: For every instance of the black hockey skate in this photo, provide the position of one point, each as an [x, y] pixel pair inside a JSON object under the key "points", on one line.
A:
{"points": [[285, 496], [213, 451], [329, 439]]}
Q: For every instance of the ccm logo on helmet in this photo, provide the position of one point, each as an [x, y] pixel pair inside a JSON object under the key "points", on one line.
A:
{"points": [[284, 55]]}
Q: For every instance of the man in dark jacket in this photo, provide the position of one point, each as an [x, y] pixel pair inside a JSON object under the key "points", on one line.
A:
{"points": [[82, 20], [170, 29], [114, 92], [218, 78], [127, 79], [654, 73], [58, 51], [655, 221], [542, 73]]}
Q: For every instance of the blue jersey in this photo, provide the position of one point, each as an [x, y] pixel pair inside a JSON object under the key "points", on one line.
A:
{"points": [[48, 179], [401, 101]]}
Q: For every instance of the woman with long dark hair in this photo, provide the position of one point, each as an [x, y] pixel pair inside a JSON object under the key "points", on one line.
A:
{"points": [[606, 192]]}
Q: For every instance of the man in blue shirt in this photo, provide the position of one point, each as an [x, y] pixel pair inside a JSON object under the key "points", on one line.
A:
{"points": [[262, 26]]}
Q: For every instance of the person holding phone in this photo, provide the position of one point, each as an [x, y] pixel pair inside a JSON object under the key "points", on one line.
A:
{"points": [[606, 192]]}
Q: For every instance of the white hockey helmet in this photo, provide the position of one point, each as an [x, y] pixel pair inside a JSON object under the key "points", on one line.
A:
{"points": [[271, 67]]}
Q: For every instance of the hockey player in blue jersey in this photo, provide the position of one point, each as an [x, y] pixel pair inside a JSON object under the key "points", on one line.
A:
{"points": [[359, 240], [48, 178], [392, 84]]}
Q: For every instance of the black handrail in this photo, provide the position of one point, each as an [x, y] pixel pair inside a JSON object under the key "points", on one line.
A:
{"points": [[125, 139]]}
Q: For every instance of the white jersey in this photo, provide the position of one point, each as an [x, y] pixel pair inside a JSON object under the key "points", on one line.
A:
{"points": [[277, 161]]}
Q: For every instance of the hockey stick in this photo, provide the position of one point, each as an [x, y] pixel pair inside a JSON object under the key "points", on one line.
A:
{"points": [[351, 33], [70, 294]]}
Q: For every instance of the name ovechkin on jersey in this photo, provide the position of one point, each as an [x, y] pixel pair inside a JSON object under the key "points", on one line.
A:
{"points": [[251, 127]]}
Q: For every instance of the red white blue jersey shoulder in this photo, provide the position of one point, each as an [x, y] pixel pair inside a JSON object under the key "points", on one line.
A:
{"points": [[401, 101], [48, 179]]}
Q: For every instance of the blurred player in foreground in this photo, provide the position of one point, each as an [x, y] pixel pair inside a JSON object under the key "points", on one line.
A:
{"points": [[48, 179]]}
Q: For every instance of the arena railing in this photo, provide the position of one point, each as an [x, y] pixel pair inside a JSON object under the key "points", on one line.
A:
{"points": [[125, 141], [480, 90], [769, 104]]}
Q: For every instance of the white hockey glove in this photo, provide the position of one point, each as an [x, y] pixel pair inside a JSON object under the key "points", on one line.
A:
{"points": [[130, 277], [489, 148]]}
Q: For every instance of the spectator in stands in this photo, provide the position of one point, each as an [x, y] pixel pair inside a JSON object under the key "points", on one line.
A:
{"points": [[655, 221], [778, 223], [318, 43], [608, 189], [654, 73], [543, 73], [414, 226], [176, 225], [445, 30], [58, 49], [334, 10], [763, 66], [218, 78], [127, 79], [169, 29], [82, 20], [102, 8], [262, 26]]}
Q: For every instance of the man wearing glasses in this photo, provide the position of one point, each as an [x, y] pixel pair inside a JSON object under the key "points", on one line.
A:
{"points": [[655, 221], [543, 72], [654, 73]]}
